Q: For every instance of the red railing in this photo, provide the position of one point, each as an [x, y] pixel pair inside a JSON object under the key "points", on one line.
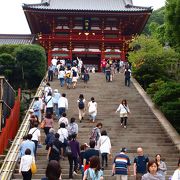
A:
{"points": [[12, 125]]}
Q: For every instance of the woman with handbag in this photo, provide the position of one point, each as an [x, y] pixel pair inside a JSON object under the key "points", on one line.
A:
{"points": [[104, 145], [94, 172], [25, 165], [92, 105], [123, 112]]}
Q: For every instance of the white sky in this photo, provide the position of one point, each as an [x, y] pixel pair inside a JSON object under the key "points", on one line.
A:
{"points": [[13, 21]]}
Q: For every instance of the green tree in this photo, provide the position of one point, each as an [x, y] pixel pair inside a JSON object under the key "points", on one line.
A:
{"points": [[151, 61], [9, 49], [7, 66], [157, 17], [31, 59], [172, 21]]}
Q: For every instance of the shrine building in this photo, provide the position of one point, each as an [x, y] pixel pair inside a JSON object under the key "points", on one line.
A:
{"points": [[89, 29]]}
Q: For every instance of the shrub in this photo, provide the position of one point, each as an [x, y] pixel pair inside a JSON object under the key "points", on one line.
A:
{"points": [[172, 112], [154, 87], [169, 92]]}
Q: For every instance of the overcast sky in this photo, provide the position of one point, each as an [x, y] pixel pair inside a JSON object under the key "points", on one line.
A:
{"points": [[13, 21]]}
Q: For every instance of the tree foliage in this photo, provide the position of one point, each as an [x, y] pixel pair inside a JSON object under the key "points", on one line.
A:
{"points": [[172, 21], [32, 62], [167, 96], [23, 65], [7, 66], [157, 17], [151, 61]]}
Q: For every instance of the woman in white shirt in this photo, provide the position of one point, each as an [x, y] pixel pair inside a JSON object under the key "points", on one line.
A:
{"points": [[92, 105], [25, 165], [63, 133], [176, 175], [104, 145], [63, 119], [56, 97], [61, 76], [123, 111], [36, 136]]}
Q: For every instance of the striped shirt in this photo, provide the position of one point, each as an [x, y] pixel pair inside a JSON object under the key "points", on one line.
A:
{"points": [[121, 162]]}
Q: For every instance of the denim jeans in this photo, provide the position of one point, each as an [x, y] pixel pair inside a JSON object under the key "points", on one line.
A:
{"points": [[50, 75], [127, 81], [62, 81], [108, 76], [61, 110], [104, 157], [56, 109]]}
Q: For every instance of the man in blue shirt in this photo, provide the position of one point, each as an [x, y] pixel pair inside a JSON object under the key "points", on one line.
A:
{"points": [[27, 144], [121, 165], [140, 164]]}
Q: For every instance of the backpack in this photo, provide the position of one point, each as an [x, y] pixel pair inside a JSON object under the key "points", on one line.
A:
{"points": [[127, 73], [68, 150], [94, 134], [81, 104], [74, 73], [68, 75], [72, 129]]}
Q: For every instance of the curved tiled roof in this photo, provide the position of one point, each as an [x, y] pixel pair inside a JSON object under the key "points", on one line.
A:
{"points": [[87, 5], [16, 39]]}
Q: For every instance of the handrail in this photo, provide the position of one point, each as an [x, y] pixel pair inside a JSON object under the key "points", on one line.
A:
{"points": [[11, 158]]}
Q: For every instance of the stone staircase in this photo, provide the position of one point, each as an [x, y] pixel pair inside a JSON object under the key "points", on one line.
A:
{"points": [[143, 128]]}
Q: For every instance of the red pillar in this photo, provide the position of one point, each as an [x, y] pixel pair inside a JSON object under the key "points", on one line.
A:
{"points": [[123, 56], [49, 57], [70, 54]]}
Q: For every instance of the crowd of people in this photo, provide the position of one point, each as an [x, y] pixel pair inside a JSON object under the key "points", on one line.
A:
{"points": [[110, 68], [68, 71], [92, 158]]}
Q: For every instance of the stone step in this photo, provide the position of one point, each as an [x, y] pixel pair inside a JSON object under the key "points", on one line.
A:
{"points": [[143, 128]]}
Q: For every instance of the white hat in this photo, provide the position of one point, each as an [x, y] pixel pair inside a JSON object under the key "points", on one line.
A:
{"points": [[56, 90]]}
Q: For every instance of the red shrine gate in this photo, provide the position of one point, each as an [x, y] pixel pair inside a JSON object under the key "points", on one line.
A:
{"points": [[88, 29]]}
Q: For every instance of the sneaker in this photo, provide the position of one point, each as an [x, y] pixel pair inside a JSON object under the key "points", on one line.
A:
{"points": [[121, 124], [125, 127]]}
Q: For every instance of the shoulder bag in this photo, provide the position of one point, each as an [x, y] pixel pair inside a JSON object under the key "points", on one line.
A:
{"points": [[33, 167]]}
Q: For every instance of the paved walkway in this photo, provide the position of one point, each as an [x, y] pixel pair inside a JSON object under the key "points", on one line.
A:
{"points": [[143, 128]]}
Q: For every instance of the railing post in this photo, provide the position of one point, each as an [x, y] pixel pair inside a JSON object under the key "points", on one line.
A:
{"points": [[1, 105]]}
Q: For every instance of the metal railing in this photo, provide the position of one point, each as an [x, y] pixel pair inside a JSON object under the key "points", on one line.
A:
{"points": [[7, 100], [11, 158]]}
